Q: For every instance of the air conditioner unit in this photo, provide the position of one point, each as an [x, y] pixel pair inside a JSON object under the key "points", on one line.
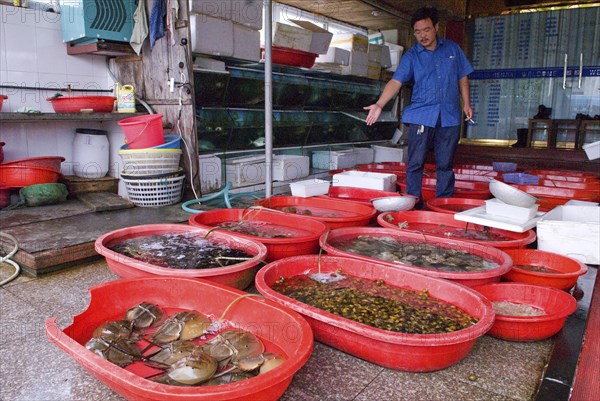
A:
{"points": [[90, 21]]}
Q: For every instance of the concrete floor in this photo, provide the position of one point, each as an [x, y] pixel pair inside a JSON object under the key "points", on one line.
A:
{"points": [[32, 368]]}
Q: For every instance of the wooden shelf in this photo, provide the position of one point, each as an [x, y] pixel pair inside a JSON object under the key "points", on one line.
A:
{"points": [[38, 117]]}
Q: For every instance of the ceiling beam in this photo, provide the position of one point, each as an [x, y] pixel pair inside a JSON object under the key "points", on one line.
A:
{"points": [[386, 8]]}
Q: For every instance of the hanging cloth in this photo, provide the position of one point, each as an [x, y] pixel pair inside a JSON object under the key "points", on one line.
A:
{"points": [[172, 18], [157, 21], [140, 27]]}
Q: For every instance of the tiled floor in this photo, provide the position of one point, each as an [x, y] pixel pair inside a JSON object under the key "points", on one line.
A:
{"points": [[32, 368]]}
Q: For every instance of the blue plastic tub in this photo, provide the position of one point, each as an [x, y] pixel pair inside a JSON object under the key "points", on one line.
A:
{"points": [[521, 178], [504, 167], [172, 141]]}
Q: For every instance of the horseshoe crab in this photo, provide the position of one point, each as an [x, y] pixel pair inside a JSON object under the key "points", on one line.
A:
{"points": [[183, 326], [144, 315], [234, 345], [120, 351]]}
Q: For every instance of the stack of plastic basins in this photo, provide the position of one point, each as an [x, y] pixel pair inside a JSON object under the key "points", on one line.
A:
{"points": [[151, 162]]}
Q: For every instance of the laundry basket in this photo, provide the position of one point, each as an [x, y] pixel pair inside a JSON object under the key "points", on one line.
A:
{"points": [[140, 162], [154, 190]]}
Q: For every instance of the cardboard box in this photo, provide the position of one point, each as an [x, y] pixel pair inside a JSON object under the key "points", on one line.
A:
{"points": [[350, 41], [292, 37], [365, 179], [374, 52], [211, 35], [243, 171], [246, 43], [290, 167], [222, 9], [358, 65], [572, 231], [321, 38], [373, 70], [248, 13], [335, 55], [210, 173]]}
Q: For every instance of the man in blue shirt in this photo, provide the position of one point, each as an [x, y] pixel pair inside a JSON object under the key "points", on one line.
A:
{"points": [[439, 68]]}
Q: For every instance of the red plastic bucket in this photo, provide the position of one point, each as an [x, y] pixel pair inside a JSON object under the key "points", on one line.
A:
{"points": [[143, 131], [401, 351], [565, 275], [239, 275], [556, 303], [305, 243], [442, 224], [334, 213], [470, 279], [282, 331], [453, 205]]}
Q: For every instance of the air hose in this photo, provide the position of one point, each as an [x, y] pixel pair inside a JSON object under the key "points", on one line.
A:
{"points": [[8, 257], [227, 198]]}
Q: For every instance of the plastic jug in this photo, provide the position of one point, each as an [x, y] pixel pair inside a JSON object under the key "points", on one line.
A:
{"points": [[90, 153], [125, 98]]}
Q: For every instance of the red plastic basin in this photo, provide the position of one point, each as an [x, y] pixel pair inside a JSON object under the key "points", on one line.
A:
{"points": [[453, 205], [435, 224], [4, 196], [51, 162], [361, 195], [556, 303], [332, 212], [409, 352], [470, 279], [307, 241], [2, 99], [282, 330], [238, 276], [23, 176], [475, 167], [74, 104], [564, 175], [462, 189], [293, 57], [550, 197], [567, 269]]}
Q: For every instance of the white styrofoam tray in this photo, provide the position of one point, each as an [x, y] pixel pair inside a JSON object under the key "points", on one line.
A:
{"points": [[519, 214], [479, 216], [308, 188], [365, 179]]}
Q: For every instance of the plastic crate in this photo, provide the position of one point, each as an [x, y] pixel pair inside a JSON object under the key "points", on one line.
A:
{"points": [[504, 167], [521, 178]]}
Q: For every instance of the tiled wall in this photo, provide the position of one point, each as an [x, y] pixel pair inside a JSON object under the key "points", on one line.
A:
{"points": [[32, 54]]}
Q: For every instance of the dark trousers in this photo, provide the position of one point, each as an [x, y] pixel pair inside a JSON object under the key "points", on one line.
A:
{"points": [[444, 141]]}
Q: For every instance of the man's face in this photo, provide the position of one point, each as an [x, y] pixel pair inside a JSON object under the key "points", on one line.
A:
{"points": [[425, 32]]}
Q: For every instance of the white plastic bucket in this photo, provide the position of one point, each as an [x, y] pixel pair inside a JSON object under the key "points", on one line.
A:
{"points": [[90, 153]]}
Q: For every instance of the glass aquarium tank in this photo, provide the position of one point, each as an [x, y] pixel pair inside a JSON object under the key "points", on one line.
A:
{"points": [[325, 127], [214, 129], [290, 128], [210, 88], [248, 130]]}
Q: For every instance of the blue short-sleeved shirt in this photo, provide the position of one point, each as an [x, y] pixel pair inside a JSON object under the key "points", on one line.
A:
{"points": [[435, 75]]}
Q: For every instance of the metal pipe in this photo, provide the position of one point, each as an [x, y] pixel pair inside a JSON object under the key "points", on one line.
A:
{"points": [[565, 73], [268, 11], [580, 69], [53, 89]]}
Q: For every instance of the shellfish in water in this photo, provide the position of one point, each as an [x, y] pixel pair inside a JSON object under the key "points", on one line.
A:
{"points": [[144, 315], [183, 326]]}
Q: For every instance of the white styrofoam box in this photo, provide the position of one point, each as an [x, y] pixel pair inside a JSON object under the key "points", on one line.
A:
{"points": [[248, 170], [364, 155], [389, 153], [246, 43], [573, 231], [574, 202], [335, 55], [365, 179], [518, 214], [351, 41], [358, 64], [592, 150], [321, 38], [309, 188], [385, 59], [333, 160], [376, 38], [292, 37], [290, 167], [395, 55], [248, 13], [213, 8], [211, 35], [373, 70], [206, 63], [210, 173], [374, 52]]}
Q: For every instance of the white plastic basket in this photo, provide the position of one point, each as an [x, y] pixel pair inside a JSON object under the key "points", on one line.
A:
{"points": [[150, 161], [155, 192]]}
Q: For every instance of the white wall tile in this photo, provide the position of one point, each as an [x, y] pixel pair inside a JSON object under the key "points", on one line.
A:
{"points": [[21, 97], [81, 64], [14, 135], [41, 140], [88, 82], [3, 65], [20, 48], [51, 52], [16, 16], [46, 20]]}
